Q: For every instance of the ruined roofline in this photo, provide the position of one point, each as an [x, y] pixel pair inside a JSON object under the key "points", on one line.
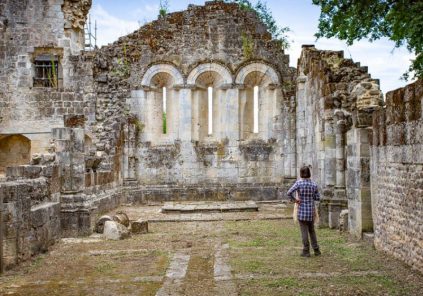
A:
{"points": [[178, 18]]}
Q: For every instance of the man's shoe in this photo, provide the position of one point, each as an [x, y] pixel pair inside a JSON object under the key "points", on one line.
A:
{"points": [[305, 254], [317, 252]]}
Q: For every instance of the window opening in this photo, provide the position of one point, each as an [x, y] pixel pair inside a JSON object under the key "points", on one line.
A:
{"points": [[164, 110], [46, 71], [256, 110], [210, 110]]}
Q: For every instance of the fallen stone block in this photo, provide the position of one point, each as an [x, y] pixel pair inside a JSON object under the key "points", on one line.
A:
{"points": [[99, 225], [121, 218], [139, 227], [115, 231]]}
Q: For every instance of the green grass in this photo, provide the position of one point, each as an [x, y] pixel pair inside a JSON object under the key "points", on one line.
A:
{"points": [[271, 249]]}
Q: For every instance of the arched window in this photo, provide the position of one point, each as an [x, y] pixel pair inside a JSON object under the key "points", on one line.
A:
{"points": [[14, 150], [164, 98], [210, 110], [206, 107], [256, 110]]}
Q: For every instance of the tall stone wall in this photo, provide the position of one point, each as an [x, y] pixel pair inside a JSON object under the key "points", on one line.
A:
{"points": [[335, 99], [397, 175], [29, 29], [186, 52]]}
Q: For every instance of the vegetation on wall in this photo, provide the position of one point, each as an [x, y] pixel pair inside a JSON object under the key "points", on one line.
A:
{"points": [[399, 20], [164, 123], [163, 8], [247, 45], [122, 68], [52, 74], [265, 15]]}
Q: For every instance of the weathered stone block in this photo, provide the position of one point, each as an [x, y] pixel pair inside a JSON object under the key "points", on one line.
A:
{"points": [[115, 231], [139, 227]]}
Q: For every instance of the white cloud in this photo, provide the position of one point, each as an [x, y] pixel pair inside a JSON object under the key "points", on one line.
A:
{"points": [[110, 28]]}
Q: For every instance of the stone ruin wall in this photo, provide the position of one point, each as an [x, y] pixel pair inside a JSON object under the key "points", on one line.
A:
{"points": [[397, 175], [30, 194], [103, 148], [335, 98], [29, 28], [186, 52]]}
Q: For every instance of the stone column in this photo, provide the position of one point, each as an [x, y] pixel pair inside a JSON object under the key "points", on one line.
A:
{"points": [[340, 152], [358, 182], [130, 157], [330, 150], [185, 114], [300, 120], [231, 124], [76, 210], [242, 101]]}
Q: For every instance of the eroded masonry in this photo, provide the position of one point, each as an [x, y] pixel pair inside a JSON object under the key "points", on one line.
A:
{"points": [[197, 105]]}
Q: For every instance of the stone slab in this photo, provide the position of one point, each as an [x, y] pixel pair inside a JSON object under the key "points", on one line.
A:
{"points": [[200, 207]]}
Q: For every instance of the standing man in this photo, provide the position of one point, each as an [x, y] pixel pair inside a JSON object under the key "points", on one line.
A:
{"points": [[308, 193]]}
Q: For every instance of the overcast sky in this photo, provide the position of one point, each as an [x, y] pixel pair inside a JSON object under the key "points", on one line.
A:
{"points": [[116, 18]]}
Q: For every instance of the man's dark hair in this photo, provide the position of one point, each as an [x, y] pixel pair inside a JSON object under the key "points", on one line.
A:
{"points": [[305, 172]]}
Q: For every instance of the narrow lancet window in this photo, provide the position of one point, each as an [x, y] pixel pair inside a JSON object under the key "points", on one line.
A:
{"points": [[210, 110], [164, 110], [256, 110]]}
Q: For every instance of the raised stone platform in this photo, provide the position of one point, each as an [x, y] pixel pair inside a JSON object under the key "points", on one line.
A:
{"points": [[217, 207]]}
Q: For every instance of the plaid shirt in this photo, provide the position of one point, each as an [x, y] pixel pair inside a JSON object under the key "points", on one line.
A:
{"points": [[308, 193]]}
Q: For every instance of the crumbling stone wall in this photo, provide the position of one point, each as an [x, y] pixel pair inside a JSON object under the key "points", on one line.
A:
{"points": [[28, 29], [31, 211], [187, 52], [335, 98], [397, 175]]}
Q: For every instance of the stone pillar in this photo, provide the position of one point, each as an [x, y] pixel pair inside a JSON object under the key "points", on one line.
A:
{"points": [[358, 181], [76, 208], [231, 124], [340, 153], [292, 144], [185, 114], [242, 102], [130, 161], [300, 120], [330, 150]]}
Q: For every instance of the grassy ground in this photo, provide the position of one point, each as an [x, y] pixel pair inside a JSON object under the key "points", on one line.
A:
{"points": [[263, 255], [267, 251]]}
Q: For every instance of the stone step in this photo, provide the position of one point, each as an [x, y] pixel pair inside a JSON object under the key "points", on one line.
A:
{"points": [[199, 207]]}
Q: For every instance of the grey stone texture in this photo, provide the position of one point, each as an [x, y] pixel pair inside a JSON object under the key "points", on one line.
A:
{"points": [[95, 140], [397, 175], [115, 231]]}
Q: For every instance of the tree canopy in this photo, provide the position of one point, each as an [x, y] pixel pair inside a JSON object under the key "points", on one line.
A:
{"points": [[399, 20]]}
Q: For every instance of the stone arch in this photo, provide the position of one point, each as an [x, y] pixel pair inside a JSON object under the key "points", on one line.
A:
{"points": [[157, 69], [259, 99], [257, 73], [222, 71], [14, 150]]}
